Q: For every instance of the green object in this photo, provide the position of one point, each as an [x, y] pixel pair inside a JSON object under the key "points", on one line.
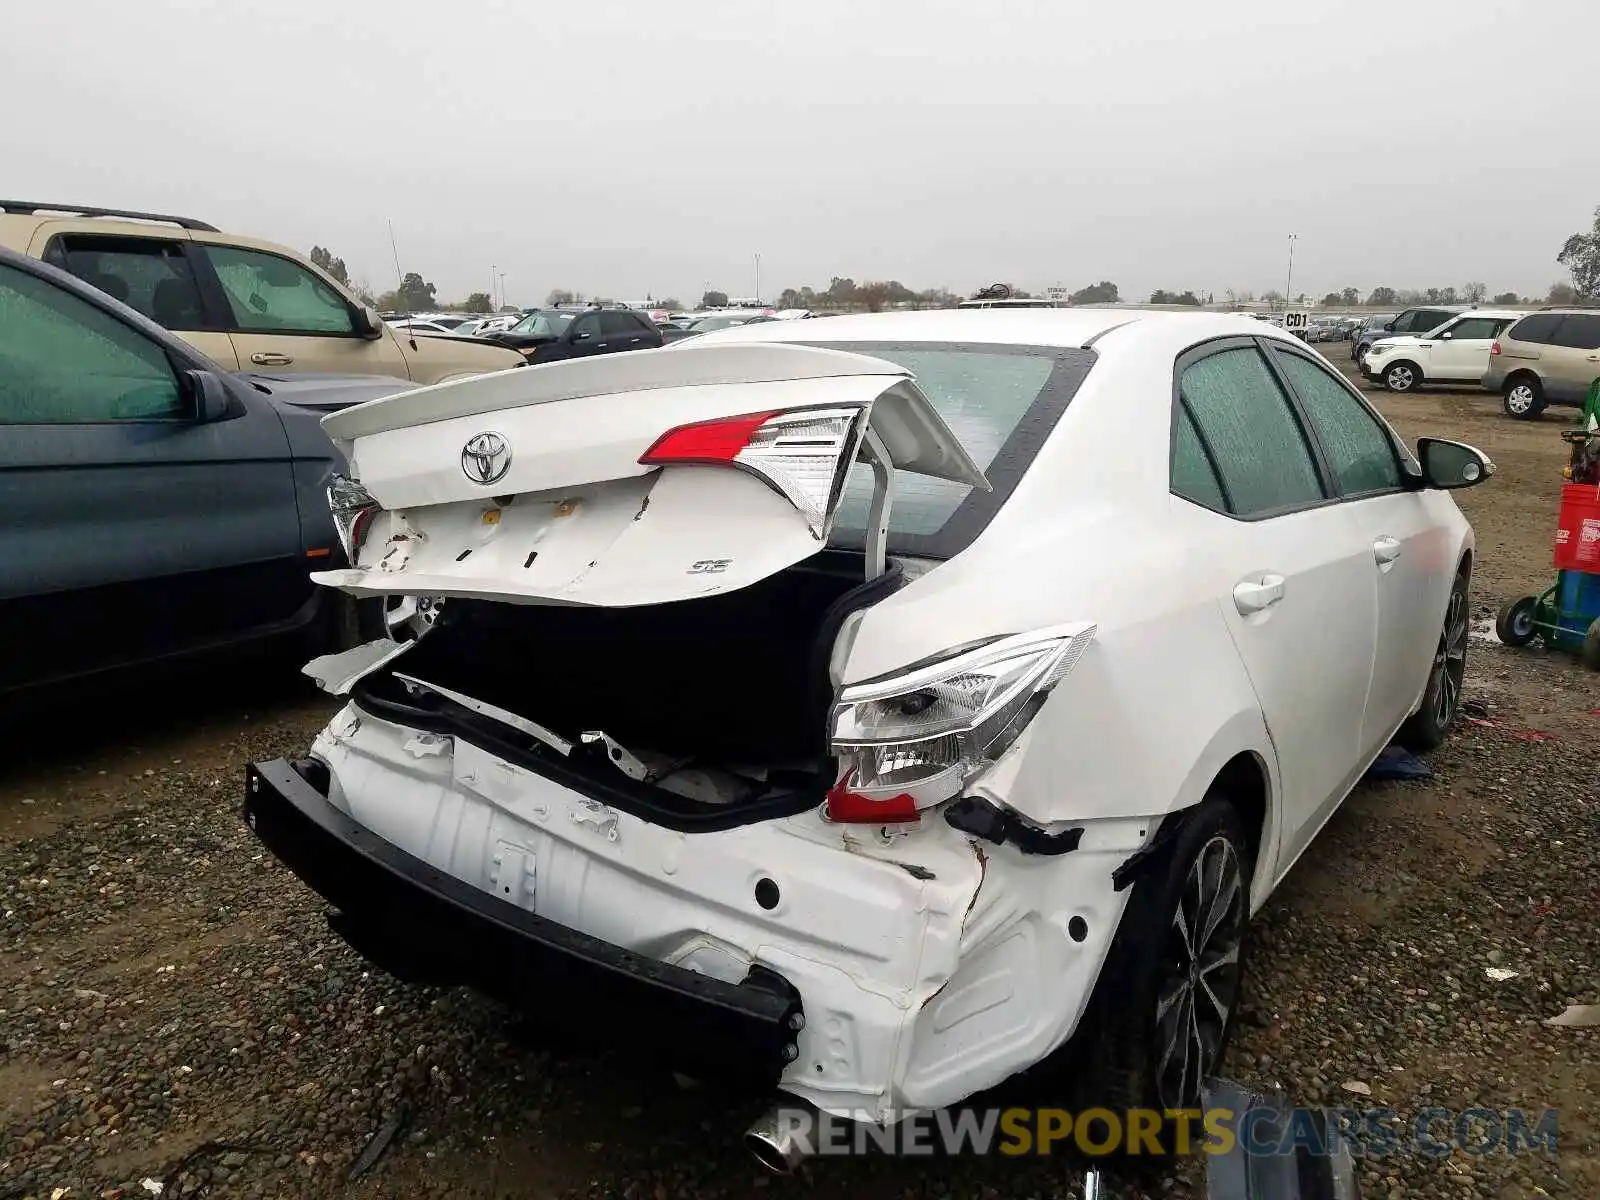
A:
{"points": [[1563, 615], [1591, 406]]}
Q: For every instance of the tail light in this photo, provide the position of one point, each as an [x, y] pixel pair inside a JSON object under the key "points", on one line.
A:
{"points": [[911, 741], [1494, 349], [353, 510], [803, 453]]}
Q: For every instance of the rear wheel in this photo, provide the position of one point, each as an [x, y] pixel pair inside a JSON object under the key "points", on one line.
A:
{"points": [[1426, 728], [1164, 1004], [1514, 625], [1591, 647], [1402, 377], [1523, 398]]}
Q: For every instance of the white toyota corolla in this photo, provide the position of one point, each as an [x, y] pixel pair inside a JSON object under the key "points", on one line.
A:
{"points": [[875, 706]]}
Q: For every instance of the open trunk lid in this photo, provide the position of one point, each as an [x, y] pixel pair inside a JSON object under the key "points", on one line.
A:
{"points": [[626, 479]]}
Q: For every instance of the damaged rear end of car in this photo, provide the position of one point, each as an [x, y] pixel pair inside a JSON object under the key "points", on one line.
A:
{"points": [[613, 758]]}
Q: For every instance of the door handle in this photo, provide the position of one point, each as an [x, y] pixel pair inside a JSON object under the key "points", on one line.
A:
{"points": [[1386, 549], [265, 358], [1254, 595]]}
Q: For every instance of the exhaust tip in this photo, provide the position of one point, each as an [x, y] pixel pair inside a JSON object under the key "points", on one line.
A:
{"points": [[768, 1154], [774, 1143]]}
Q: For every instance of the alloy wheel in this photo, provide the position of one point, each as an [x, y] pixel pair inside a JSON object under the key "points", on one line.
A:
{"points": [[1200, 980], [1520, 398], [1401, 378], [1450, 661]]}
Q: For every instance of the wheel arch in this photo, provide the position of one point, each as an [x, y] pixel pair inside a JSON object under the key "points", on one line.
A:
{"points": [[1241, 766]]}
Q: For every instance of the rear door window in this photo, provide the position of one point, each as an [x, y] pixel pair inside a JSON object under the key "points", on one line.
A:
{"points": [[1255, 438], [1537, 329], [620, 324], [151, 275], [1579, 332], [1194, 475]]}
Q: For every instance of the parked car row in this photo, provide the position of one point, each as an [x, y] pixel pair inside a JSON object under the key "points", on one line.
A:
{"points": [[242, 302], [1456, 351], [1531, 360]]}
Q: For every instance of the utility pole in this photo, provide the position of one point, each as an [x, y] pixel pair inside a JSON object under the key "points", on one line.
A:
{"points": [[1288, 284], [758, 279], [493, 277]]}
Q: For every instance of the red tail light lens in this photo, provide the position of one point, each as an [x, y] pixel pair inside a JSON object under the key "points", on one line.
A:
{"points": [[705, 442], [1494, 349], [802, 452]]}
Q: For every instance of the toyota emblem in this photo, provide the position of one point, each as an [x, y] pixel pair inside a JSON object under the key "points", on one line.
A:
{"points": [[486, 458]]}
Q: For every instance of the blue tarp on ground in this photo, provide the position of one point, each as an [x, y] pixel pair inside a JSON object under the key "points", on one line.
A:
{"points": [[1395, 763]]}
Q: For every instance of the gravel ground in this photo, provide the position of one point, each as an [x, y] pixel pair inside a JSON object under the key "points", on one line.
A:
{"points": [[172, 1006]]}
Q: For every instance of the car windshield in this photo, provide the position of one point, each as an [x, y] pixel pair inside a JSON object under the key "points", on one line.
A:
{"points": [[543, 324], [1000, 401]]}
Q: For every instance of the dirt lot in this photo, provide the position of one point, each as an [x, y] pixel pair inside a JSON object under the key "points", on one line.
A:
{"points": [[173, 1007]]}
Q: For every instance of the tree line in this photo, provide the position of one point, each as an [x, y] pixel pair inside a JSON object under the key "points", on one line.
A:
{"points": [[1580, 254]]}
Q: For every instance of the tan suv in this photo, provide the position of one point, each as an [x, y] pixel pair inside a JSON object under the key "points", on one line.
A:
{"points": [[1548, 357], [248, 304]]}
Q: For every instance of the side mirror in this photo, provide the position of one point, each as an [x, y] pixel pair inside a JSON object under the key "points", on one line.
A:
{"points": [[582, 337], [1389, 325], [368, 323], [208, 396], [1446, 335], [1452, 464]]}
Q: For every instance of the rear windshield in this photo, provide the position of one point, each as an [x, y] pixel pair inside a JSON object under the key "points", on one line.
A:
{"points": [[1001, 402]]}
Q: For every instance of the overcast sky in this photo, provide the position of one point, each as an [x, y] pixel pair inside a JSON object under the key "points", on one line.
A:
{"points": [[620, 147]]}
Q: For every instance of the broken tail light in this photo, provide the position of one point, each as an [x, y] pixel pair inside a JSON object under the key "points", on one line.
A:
{"points": [[353, 510], [802, 453], [911, 741]]}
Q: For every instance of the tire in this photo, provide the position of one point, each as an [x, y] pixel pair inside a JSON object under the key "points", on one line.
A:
{"points": [[1590, 654], [1514, 625], [1402, 376], [1427, 728], [1523, 398], [1144, 991]]}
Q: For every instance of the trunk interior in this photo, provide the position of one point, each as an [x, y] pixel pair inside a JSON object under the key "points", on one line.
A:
{"points": [[725, 700]]}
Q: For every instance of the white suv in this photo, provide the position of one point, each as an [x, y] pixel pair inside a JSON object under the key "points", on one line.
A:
{"points": [[872, 705], [1455, 352]]}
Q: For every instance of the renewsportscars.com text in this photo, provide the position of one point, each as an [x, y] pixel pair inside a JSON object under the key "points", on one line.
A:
{"points": [[1366, 1133]]}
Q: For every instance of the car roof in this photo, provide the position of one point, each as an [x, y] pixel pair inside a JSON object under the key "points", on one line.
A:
{"points": [[1066, 327], [1494, 312]]}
